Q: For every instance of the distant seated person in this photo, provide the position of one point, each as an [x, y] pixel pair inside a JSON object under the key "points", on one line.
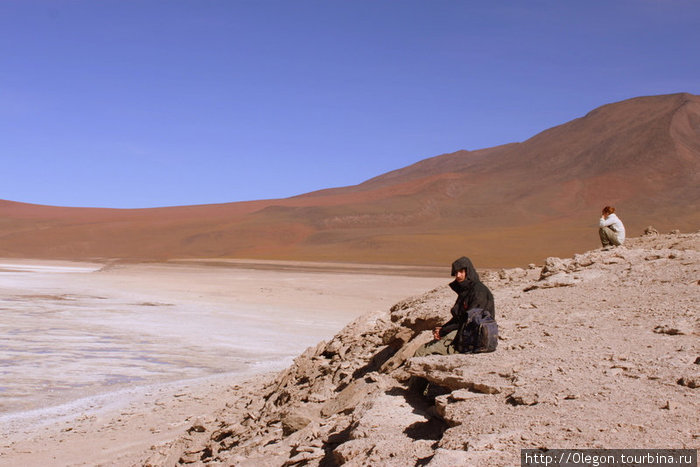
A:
{"points": [[472, 327], [612, 232]]}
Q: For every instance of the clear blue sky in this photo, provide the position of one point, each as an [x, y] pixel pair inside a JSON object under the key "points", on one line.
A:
{"points": [[125, 103]]}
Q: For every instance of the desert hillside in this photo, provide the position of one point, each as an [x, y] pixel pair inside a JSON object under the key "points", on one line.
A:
{"points": [[509, 205], [599, 350]]}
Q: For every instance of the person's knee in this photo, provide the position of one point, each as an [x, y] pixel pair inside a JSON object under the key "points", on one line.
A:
{"points": [[423, 350]]}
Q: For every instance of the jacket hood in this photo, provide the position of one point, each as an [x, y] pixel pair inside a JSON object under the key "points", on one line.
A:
{"points": [[466, 264]]}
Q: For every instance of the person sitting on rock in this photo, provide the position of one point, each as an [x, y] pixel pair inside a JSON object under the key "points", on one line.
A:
{"points": [[471, 294], [612, 232]]}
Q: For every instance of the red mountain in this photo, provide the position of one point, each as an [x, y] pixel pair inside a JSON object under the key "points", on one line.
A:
{"points": [[503, 206]]}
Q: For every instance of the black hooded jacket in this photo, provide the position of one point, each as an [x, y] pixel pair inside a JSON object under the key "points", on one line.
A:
{"points": [[471, 293]]}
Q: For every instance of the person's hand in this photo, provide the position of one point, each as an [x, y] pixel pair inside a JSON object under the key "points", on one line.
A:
{"points": [[436, 333]]}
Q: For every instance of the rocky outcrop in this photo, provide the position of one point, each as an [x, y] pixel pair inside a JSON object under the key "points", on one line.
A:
{"points": [[588, 356]]}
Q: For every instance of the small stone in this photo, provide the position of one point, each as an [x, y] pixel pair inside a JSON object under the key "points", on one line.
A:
{"points": [[671, 405], [332, 348], [317, 397], [552, 265], [305, 455], [197, 427], [373, 377], [294, 422], [650, 232], [692, 382], [668, 330], [523, 398]]}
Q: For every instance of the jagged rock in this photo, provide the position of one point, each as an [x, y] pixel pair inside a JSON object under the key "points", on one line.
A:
{"points": [[552, 265], [512, 274], [668, 330], [650, 232], [397, 336], [690, 381], [421, 313], [449, 458], [406, 352], [386, 452], [305, 454], [560, 279], [388, 417], [323, 395], [190, 457], [320, 347], [454, 372], [516, 272], [295, 421], [349, 397], [198, 426], [167, 454], [351, 450], [333, 347], [465, 395], [521, 397], [583, 261], [671, 405]]}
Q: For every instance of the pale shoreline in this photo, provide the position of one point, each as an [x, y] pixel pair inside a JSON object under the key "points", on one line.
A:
{"points": [[121, 428], [121, 425], [58, 265]]}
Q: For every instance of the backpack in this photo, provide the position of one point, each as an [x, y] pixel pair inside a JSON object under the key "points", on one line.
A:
{"points": [[479, 333]]}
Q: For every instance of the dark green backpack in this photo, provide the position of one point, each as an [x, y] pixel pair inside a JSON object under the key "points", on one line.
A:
{"points": [[478, 334]]}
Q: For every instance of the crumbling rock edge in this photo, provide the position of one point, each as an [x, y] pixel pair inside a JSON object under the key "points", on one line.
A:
{"points": [[599, 350]]}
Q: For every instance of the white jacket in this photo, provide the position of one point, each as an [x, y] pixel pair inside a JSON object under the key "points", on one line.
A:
{"points": [[615, 224]]}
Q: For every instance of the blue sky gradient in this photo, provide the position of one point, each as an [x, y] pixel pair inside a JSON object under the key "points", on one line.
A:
{"points": [[121, 103]]}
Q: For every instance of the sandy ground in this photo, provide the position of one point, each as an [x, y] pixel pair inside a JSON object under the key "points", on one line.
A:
{"points": [[102, 362]]}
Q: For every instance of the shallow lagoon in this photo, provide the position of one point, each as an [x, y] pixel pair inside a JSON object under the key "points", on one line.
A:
{"points": [[70, 331]]}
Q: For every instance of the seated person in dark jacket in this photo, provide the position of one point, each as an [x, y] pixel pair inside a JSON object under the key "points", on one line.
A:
{"points": [[471, 293]]}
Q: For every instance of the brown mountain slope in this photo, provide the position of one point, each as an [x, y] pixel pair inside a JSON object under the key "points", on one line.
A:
{"points": [[503, 206]]}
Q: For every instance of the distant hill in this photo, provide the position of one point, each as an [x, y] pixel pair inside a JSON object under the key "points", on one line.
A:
{"points": [[503, 206]]}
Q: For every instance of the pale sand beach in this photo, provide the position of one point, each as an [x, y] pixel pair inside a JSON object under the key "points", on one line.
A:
{"points": [[102, 362]]}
